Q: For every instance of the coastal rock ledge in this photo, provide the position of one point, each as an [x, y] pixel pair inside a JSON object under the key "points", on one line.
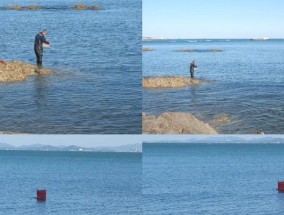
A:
{"points": [[169, 82], [18, 71], [175, 123]]}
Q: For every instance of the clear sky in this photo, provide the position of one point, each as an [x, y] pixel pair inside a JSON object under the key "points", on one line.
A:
{"points": [[213, 18], [66, 140]]}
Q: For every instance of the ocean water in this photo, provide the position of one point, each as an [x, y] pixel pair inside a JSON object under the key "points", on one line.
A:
{"points": [[212, 179], [245, 82], [97, 59], [76, 182]]}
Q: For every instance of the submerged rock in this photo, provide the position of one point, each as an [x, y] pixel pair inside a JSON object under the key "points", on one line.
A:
{"points": [[19, 71], [175, 123], [96, 7], [147, 49], [220, 120], [169, 82], [33, 7], [80, 7], [85, 7], [18, 7]]}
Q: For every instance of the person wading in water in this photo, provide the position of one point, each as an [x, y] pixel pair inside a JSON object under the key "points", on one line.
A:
{"points": [[193, 66], [39, 40]]}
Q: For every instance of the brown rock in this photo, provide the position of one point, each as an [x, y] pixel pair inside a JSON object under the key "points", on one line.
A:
{"points": [[175, 123], [19, 71], [169, 82]]}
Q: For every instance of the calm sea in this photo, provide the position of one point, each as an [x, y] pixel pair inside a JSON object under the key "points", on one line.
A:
{"points": [[76, 182], [212, 179], [246, 82], [97, 59]]}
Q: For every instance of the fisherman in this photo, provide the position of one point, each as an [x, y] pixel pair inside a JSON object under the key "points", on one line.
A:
{"points": [[193, 66], [39, 40]]}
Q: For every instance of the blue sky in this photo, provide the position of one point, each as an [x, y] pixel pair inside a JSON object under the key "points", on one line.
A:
{"points": [[79, 140], [213, 18]]}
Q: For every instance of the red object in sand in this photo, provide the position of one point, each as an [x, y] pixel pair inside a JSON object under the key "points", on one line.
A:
{"points": [[281, 186], [41, 195], [3, 62]]}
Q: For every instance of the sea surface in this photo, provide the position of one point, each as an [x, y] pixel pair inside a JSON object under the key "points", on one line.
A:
{"points": [[97, 60], [217, 179], [76, 182], [246, 82]]}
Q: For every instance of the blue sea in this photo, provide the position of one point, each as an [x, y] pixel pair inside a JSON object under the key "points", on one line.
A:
{"points": [[245, 82], [96, 56], [76, 182], [212, 179]]}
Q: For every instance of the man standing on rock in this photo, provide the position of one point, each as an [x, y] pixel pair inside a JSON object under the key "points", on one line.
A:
{"points": [[39, 40], [193, 66]]}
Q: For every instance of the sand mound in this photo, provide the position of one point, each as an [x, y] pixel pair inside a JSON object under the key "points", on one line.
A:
{"points": [[169, 82], [18, 71], [175, 123], [147, 49]]}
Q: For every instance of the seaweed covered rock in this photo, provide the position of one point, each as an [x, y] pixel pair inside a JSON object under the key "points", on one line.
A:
{"points": [[175, 123], [13, 7], [95, 7], [18, 7], [147, 49], [19, 71], [33, 7], [80, 7], [169, 82]]}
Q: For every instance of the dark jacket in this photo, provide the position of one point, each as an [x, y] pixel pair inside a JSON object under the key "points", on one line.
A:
{"points": [[39, 40], [192, 67]]}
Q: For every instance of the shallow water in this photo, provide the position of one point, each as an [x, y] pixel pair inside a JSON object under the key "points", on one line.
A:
{"points": [[247, 82], [76, 182], [212, 179], [97, 55]]}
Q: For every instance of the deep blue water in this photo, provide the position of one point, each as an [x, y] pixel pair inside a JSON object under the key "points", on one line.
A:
{"points": [[246, 82], [212, 179], [97, 59], [76, 182]]}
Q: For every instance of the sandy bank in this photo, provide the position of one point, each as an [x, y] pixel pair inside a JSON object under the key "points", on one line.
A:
{"points": [[169, 82], [175, 123], [19, 71]]}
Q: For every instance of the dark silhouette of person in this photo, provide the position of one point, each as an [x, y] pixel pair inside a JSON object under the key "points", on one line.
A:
{"points": [[39, 40], [193, 66]]}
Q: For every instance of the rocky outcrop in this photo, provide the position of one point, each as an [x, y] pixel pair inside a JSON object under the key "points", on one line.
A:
{"points": [[85, 7], [147, 49], [169, 82], [19, 71], [18, 7], [175, 123]]}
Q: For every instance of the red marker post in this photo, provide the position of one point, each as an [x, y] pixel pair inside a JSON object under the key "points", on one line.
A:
{"points": [[280, 186], [41, 195]]}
